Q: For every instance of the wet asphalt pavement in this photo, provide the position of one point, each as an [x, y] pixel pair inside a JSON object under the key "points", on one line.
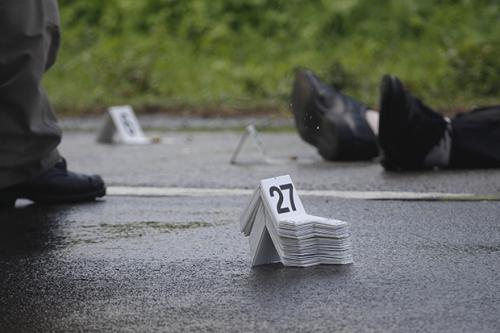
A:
{"points": [[180, 263]]}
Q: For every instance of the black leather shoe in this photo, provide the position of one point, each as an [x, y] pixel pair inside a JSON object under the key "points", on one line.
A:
{"points": [[56, 185], [331, 121], [304, 98], [408, 129]]}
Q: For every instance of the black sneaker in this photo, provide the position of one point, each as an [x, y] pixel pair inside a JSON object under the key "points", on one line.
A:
{"points": [[55, 186], [331, 121], [408, 129]]}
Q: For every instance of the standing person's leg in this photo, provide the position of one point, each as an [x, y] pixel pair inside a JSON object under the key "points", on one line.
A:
{"points": [[30, 165], [29, 133]]}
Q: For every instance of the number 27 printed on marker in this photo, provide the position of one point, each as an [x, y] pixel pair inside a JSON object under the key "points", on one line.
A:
{"points": [[279, 191]]}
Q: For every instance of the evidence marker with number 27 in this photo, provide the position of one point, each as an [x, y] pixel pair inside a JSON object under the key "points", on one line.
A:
{"points": [[280, 230]]}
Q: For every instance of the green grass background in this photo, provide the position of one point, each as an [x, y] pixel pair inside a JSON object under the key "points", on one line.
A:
{"points": [[239, 55]]}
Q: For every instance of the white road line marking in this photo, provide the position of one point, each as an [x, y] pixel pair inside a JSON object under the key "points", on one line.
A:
{"points": [[141, 191]]}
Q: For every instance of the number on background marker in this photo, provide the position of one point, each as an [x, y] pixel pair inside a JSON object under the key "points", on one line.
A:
{"points": [[127, 124]]}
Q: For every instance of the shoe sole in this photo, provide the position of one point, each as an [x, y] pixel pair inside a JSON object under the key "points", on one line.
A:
{"points": [[306, 120], [400, 151], [10, 200], [389, 104], [329, 141], [312, 126]]}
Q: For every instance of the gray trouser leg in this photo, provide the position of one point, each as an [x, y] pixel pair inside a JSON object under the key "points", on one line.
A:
{"points": [[29, 133]]}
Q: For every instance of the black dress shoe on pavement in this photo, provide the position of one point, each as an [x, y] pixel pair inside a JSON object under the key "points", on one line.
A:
{"points": [[55, 186], [408, 129], [334, 123]]}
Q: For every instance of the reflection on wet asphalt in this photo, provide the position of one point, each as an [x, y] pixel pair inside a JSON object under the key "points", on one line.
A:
{"points": [[30, 229], [172, 264]]}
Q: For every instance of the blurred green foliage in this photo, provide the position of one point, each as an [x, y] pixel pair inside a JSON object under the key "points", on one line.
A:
{"points": [[242, 53]]}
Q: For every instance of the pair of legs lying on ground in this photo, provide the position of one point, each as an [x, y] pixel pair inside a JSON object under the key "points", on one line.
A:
{"points": [[405, 133]]}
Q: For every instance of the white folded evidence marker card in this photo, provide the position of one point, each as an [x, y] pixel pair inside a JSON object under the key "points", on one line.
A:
{"points": [[280, 230], [121, 121]]}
